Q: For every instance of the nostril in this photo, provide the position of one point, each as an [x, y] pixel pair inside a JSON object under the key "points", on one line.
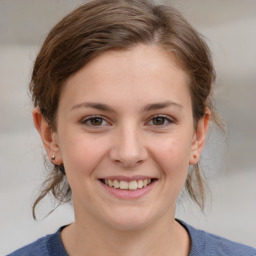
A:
{"points": [[127, 163]]}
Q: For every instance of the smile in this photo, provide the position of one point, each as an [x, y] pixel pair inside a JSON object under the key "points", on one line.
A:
{"points": [[131, 185], [128, 188]]}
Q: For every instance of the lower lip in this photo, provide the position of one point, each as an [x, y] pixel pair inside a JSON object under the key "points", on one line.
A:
{"points": [[129, 194]]}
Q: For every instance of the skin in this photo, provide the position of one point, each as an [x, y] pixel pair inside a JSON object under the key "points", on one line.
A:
{"points": [[126, 139]]}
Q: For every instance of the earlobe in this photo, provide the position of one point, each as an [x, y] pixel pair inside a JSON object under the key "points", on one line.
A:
{"points": [[199, 138], [48, 137]]}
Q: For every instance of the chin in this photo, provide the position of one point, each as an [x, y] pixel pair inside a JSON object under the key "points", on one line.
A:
{"points": [[129, 224], [130, 219]]}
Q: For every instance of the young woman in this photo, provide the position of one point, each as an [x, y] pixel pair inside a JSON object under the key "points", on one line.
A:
{"points": [[121, 90]]}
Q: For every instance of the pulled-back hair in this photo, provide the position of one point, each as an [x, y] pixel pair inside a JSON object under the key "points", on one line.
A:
{"points": [[103, 25]]}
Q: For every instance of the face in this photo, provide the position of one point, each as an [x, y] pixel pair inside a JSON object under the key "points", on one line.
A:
{"points": [[125, 136]]}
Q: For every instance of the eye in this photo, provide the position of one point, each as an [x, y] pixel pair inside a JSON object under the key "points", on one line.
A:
{"points": [[94, 121], [160, 121]]}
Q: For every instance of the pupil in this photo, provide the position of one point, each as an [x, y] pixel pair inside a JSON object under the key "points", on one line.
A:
{"points": [[158, 121], [96, 121]]}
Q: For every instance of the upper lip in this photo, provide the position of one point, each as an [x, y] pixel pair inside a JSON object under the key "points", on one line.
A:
{"points": [[126, 178]]}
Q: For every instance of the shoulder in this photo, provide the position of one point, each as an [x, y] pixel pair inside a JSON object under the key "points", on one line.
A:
{"points": [[48, 245], [203, 243]]}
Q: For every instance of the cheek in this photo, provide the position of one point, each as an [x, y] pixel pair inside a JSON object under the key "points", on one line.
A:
{"points": [[82, 154], [173, 156], [174, 161]]}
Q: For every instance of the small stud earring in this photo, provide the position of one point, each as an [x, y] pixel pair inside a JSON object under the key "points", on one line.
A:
{"points": [[195, 156], [53, 158]]}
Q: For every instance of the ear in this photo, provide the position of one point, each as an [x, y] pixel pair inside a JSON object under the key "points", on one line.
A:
{"points": [[48, 137], [199, 138]]}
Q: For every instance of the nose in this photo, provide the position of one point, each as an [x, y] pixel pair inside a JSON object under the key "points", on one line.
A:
{"points": [[128, 148]]}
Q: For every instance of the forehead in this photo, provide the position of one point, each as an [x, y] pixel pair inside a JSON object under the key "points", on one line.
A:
{"points": [[141, 73]]}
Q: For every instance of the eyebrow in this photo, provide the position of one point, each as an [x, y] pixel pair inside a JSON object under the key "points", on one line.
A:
{"points": [[104, 107], [161, 105], [98, 106]]}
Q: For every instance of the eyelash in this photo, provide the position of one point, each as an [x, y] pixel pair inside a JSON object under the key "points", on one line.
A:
{"points": [[88, 121], [167, 121]]}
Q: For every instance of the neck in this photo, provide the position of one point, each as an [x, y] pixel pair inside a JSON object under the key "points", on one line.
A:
{"points": [[161, 238]]}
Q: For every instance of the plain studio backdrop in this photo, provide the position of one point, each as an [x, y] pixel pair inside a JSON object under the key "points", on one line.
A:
{"points": [[228, 159]]}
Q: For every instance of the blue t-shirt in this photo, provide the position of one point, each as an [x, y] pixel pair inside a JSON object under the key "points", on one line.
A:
{"points": [[202, 244]]}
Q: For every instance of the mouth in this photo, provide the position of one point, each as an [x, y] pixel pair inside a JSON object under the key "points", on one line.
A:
{"points": [[128, 188], [128, 185]]}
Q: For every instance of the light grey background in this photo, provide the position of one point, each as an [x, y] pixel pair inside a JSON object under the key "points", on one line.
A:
{"points": [[230, 28]]}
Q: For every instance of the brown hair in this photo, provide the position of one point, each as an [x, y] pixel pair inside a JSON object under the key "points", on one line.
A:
{"points": [[103, 25]]}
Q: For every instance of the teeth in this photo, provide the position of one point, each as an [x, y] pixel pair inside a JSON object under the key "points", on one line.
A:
{"points": [[116, 184], [140, 183], [124, 184], [110, 183], [132, 185]]}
